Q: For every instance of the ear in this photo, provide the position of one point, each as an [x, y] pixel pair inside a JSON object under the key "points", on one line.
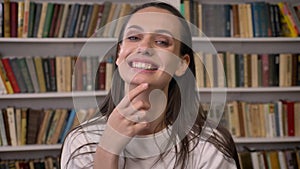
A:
{"points": [[118, 60], [183, 65]]}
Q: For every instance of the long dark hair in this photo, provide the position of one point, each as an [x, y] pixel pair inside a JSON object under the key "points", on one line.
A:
{"points": [[181, 102]]}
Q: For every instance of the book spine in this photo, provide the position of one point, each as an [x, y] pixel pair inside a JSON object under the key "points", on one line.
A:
{"points": [[26, 18], [20, 18], [10, 75]]}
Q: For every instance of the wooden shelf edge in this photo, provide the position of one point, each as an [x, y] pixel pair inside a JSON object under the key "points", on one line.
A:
{"points": [[104, 93], [195, 39], [251, 89], [54, 95], [269, 140], [55, 147], [36, 147]]}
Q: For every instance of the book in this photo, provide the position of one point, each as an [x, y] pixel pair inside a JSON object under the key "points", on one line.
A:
{"points": [[10, 74], [78, 22], [285, 70], [5, 80], [59, 20], [2, 86], [6, 18], [104, 18], [52, 72], [32, 13], [45, 123], [26, 18], [93, 22], [40, 73], [13, 19], [24, 111], [25, 74], [38, 11], [68, 124], [288, 28], [42, 19], [87, 21], [71, 25], [33, 125], [215, 20], [1, 19], [12, 125], [6, 125], [83, 20], [48, 19], [64, 19], [53, 23], [32, 72], [125, 9], [46, 71], [20, 18], [53, 126], [114, 20], [2, 130], [18, 125], [17, 72], [59, 127]]}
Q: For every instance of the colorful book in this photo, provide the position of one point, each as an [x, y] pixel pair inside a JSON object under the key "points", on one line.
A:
{"points": [[10, 74]]}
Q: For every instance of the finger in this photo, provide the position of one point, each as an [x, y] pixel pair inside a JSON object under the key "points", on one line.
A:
{"points": [[134, 107], [138, 116], [132, 94], [138, 127]]}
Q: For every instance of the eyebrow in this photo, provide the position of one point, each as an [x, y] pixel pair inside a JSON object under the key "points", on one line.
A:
{"points": [[160, 31]]}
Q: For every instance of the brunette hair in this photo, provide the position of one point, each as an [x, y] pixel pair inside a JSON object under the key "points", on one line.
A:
{"points": [[177, 108]]}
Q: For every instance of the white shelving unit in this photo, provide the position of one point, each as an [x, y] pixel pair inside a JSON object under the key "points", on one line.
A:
{"points": [[72, 46]]}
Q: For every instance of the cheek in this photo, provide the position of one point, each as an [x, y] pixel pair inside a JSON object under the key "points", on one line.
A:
{"points": [[124, 51]]}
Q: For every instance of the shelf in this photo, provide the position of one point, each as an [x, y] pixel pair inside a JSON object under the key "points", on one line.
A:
{"points": [[248, 40], [267, 140], [54, 95], [41, 147], [104, 93], [251, 89], [195, 39], [74, 46], [30, 148], [57, 40]]}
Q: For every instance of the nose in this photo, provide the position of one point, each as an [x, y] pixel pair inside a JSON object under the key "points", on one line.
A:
{"points": [[145, 47]]}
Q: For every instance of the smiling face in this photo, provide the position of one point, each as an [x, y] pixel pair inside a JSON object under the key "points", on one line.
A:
{"points": [[149, 52]]}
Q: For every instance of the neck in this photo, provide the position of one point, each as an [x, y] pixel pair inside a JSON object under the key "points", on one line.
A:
{"points": [[157, 99]]}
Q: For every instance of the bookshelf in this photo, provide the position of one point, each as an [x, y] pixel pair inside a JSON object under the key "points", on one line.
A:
{"points": [[73, 46], [64, 99]]}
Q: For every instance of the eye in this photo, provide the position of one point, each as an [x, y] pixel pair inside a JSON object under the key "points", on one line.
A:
{"points": [[162, 42], [133, 38]]}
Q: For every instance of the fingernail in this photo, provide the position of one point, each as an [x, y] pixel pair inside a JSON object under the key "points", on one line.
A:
{"points": [[145, 85]]}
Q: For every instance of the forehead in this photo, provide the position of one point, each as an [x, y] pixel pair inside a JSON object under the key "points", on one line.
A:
{"points": [[153, 19]]}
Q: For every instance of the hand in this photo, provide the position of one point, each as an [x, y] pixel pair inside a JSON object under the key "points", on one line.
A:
{"points": [[125, 121]]}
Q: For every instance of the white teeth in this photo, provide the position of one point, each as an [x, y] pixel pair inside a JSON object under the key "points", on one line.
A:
{"points": [[141, 65]]}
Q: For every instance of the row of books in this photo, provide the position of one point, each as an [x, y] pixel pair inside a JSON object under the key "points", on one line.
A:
{"points": [[22, 126], [254, 19], [228, 69], [45, 163], [68, 73], [248, 119], [52, 19], [270, 159], [53, 74]]}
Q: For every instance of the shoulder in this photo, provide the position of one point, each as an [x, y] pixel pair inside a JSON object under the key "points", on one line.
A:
{"points": [[206, 155], [81, 143], [215, 148]]}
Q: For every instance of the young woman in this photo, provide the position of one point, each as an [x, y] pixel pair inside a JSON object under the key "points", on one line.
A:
{"points": [[152, 116]]}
